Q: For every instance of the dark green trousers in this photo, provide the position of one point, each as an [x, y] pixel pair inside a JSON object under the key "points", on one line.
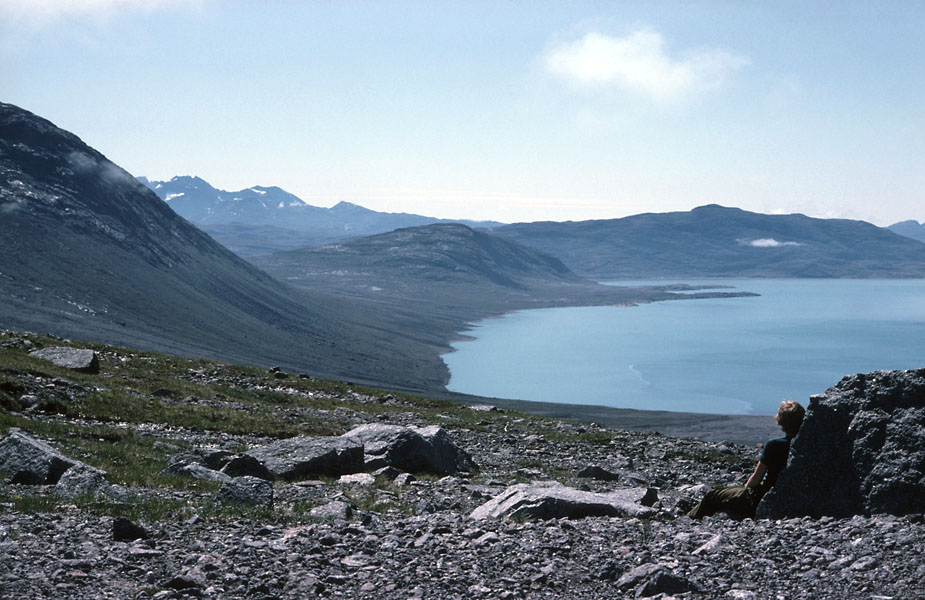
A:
{"points": [[738, 501]]}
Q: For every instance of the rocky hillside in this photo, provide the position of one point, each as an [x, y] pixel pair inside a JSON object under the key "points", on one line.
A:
{"points": [[716, 241], [144, 475]]}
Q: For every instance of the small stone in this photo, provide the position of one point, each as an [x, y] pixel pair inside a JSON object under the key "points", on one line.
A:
{"points": [[599, 473], [337, 509], [124, 530], [357, 479]]}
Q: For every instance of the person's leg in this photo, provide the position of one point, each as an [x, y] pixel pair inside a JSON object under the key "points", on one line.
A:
{"points": [[738, 500]]}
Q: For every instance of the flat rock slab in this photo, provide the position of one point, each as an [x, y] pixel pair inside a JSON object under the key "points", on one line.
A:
{"points": [[411, 449], [304, 457], [552, 500], [77, 359], [196, 470], [31, 461]]}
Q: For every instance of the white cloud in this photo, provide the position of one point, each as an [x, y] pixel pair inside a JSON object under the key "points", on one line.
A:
{"points": [[767, 243], [640, 63]]}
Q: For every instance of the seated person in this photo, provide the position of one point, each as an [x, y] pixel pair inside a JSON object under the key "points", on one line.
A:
{"points": [[742, 501]]}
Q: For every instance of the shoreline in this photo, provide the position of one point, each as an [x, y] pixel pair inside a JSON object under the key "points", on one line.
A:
{"points": [[741, 429]]}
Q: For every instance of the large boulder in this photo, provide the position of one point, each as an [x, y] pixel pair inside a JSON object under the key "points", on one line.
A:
{"points": [[861, 450], [84, 480], [30, 461], [303, 457], [411, 449], [77, 359], [552, 500]]}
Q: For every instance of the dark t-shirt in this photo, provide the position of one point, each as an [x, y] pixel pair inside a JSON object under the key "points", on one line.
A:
{"points": [[774, 456]]}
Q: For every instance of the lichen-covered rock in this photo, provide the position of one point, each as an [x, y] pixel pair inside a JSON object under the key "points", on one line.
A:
{"points": [[77, 359], [83, 480], [411, 449], [302, 457], [251, 491], [552, 500], [861, 450]]}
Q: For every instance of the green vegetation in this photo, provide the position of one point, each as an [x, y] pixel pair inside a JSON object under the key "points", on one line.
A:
{"points": [[125, 420]]}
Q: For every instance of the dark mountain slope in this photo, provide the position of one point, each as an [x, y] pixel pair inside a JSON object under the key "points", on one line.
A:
{"points": [[910, 229], [86, 250], [261, 220], [715, 241]]}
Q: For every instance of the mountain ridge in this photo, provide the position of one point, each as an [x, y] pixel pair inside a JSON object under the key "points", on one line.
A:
{"points": [[718, 241], [230, 217], [911, 229]]}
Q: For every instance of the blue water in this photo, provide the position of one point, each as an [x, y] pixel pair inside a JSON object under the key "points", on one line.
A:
{"points": [[726, 355]]}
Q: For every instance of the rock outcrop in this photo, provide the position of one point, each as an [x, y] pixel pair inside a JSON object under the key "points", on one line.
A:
{"points": [[302, 457], [411, 449], [552, 500], [31, 461], [77, 359], [861, 450]]}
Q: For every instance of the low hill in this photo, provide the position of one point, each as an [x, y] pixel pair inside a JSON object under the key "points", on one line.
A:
{"points": [[88, 251], [431, 255], [716, 241], [909, 229], [261, 220]]}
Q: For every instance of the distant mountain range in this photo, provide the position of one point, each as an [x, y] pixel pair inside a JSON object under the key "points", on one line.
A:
{"points": [[716, 241], [709, 241], [261, 220], [910, 229]]}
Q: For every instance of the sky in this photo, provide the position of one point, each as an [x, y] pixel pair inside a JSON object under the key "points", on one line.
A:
{"points": [[507, 110]]}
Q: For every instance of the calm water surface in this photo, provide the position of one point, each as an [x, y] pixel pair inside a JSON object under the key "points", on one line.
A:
{"points": [[728, 356]]}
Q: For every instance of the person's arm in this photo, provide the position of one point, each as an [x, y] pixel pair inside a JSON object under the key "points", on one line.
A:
{"points": [[758, 476]]}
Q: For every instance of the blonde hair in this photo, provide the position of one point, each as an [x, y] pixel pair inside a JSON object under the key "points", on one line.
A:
{"points": [[790, 416]]}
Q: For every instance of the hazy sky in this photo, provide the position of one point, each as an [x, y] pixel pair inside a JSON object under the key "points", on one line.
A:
{"points": [[514, 111]]}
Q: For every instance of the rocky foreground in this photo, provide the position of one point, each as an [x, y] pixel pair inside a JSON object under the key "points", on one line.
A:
{"points": [[440, 501]]}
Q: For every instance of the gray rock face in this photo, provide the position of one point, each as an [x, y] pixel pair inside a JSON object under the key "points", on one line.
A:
{"points": [[31, 461], [861, 450], [251, 491], [302, 457], [411, 449], [552, 500], [78, 359]]}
